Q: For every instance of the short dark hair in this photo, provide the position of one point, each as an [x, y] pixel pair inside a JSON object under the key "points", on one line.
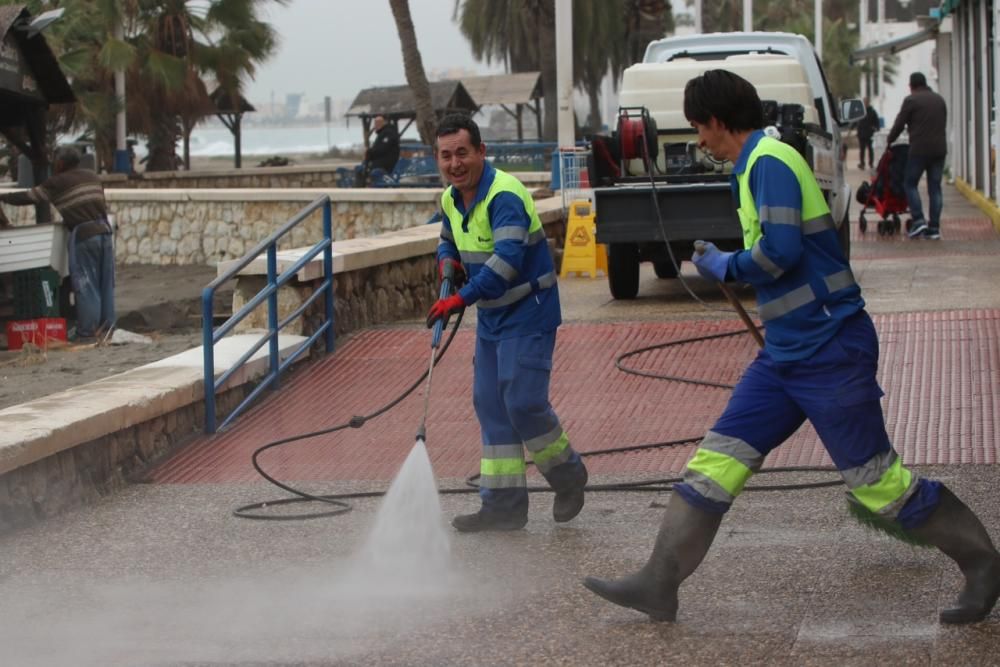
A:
{"points": [[69, 156], [918, 80], [729, 98], [457, 122]]}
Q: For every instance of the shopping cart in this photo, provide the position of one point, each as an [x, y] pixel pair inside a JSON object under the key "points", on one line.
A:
{"points": [[573, 176]]}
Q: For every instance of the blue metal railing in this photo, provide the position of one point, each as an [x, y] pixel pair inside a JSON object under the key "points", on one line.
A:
{"points": [[211, 336]]}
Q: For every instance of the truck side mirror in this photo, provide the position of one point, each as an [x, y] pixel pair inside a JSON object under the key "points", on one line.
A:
{"points": [[851, 110]]}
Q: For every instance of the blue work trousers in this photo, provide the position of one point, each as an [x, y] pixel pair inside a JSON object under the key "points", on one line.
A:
{"points": [[511, 398], [836, 390]]}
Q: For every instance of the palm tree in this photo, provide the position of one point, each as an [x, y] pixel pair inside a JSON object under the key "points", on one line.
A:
{"points": [[607, 37], [413, 65], [177, 43], [519, 33]]}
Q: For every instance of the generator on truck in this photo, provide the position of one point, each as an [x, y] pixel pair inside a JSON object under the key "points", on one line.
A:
{"points": [[656, 191]]}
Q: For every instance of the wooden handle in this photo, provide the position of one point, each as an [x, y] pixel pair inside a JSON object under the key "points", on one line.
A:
{"points": [[741, 311]]}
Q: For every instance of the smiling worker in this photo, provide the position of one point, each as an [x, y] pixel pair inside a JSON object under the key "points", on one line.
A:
{"points": [[493, 237]]}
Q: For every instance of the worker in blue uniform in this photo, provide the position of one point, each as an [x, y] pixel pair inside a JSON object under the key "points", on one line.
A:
{"points": [[818, 363], [493, 237]]}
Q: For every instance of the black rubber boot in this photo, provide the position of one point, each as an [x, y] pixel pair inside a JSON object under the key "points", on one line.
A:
{"points": [[484, 521], [684, 538], [957, 531], [569, 501]]}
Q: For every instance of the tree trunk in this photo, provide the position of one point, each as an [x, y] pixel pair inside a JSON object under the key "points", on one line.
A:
{"points": [[594, 121], [413, 65], [163, 145], [547, 64]]}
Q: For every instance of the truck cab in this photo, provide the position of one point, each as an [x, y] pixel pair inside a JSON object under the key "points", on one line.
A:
{"points": [[668, 193]]}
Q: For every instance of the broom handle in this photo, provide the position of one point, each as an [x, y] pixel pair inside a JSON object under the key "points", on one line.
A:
{"points": [[741, 311]]}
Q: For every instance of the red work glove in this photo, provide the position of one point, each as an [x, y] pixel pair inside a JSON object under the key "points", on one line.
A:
{"points": [[459, 278], [444, 308]]}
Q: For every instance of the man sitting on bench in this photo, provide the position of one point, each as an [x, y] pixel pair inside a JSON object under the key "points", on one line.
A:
{"points": [[382, 154]]}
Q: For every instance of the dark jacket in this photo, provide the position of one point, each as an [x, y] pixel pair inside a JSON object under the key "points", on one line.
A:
{"points": [[924, 115], [384, 151], [868, 126]]}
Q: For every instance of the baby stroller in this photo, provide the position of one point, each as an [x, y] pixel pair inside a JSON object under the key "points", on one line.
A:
{"points": [[885, 192]]}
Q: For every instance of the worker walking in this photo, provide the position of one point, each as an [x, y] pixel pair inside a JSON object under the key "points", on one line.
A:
{"points": [[818, 363], [79, 197], [493, 237]]}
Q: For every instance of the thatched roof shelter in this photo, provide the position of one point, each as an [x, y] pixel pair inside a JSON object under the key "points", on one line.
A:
{"points": [[513, 92], [397, 103]]}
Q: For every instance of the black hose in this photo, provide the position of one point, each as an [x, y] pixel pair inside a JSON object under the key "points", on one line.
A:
{"points": [[649, 485]]}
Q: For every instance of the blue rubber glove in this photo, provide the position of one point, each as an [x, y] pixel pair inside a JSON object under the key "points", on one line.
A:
{"points": [[710, 261]]}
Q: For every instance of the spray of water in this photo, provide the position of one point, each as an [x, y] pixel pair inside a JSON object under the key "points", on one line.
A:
{"points": [[400, 579], [408, 538]]}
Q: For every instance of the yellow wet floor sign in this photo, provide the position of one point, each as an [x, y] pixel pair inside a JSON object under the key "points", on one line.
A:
{"points": [[581, 253]]}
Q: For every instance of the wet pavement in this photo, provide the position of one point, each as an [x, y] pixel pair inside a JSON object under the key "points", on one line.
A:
{"points": [[162, 573]]}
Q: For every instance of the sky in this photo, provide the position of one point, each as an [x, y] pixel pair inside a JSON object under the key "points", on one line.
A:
{"points": [[339, 47]]}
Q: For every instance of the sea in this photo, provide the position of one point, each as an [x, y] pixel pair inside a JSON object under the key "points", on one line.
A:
{"points": [[263, 140]]}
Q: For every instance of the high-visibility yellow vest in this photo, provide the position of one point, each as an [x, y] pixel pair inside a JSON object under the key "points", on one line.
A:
{"points": [[813, 202]]}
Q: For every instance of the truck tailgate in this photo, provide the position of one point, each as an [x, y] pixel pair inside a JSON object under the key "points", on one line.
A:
{"points": [[625, 213]]}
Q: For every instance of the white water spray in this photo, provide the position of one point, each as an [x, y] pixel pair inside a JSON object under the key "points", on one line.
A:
{"points": [[409, 537]]}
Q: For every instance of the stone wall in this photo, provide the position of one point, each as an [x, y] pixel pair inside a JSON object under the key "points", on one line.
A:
{"points": [[313, 176], [82, 474], [260, 178], [209, 226], [374, 295]]}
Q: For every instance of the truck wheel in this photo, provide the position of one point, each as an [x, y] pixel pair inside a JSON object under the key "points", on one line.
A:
{"points": [[665, 269], [623, 270], [844, 234]]}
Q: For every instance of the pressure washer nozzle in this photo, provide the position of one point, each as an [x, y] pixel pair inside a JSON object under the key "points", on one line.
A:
{"points": [[422, 433]]}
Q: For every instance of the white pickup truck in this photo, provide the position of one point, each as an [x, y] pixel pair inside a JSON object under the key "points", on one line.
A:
{"points": [[692, 189]]}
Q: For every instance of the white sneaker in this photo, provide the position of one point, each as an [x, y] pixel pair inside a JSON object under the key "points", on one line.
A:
{"points": [[932, 235]]}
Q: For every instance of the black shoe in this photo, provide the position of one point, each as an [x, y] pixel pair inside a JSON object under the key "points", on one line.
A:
{"points": [[917, 229], [483, 521], [569, 502]]}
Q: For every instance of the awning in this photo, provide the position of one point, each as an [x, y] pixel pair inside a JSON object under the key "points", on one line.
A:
{"points": [[895, 45]]}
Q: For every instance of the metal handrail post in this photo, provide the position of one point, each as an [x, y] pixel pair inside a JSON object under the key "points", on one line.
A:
{"points": [[272, 310], [328, 271], [208, 347]]}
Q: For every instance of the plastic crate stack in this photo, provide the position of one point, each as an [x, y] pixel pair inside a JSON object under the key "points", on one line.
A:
{"points": [[36, 293]]}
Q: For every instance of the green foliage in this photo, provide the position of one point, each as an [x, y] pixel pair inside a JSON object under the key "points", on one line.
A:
{"points": [[608, 36], [840, 34], [169, 46], [872, 521]]}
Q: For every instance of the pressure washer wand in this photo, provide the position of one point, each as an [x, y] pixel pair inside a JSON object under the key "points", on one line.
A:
{"points": [[447, 277], [735, 303]]}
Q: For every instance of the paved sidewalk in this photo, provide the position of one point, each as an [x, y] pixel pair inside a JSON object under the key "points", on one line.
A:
{"points": [[163, 574]]}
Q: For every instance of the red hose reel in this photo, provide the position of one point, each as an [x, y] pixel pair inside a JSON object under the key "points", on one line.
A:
{"points": [[636, 134]]}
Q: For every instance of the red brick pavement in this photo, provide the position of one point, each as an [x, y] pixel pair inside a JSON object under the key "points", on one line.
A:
{"points": [[939, 371]]}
